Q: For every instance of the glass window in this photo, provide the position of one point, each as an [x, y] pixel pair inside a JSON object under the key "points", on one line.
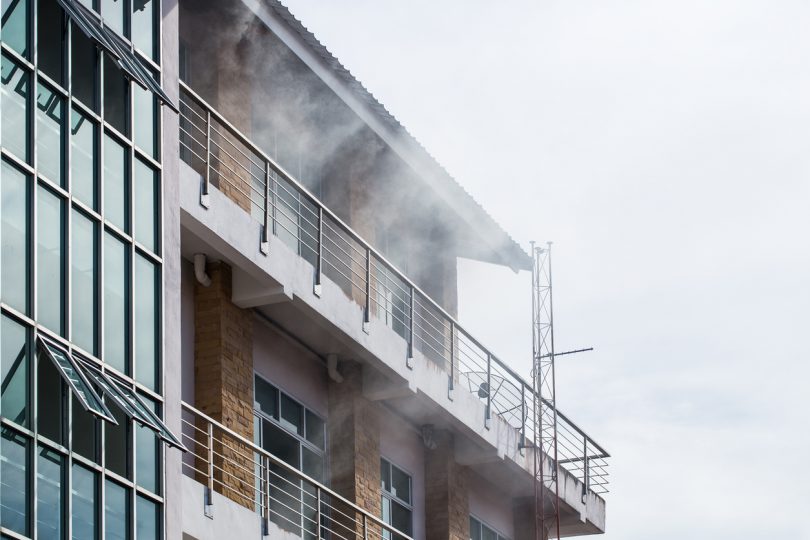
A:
{"points": [[145, 194], [84, 495], [84, 289], [144, 132], [116, 441], [315, 430], [143, 26], [14, 482], [400, 484], [116, 513], [148, 518], [49, 39], [396, 498], [14, 348], [113, 13], [14, 105], [115, 96], [266, 397], [116, 189], [147, 447], [85, 431], [83, 159], [146, 322], [50, 259], [312, 464], [292, 415], [84, 68], [50, 397], [49, 495], [50, 157], [116, 303], [14, 204], [15, 25]]}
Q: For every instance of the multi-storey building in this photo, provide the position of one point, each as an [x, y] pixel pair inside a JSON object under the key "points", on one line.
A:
{"points": [[229, 296]]}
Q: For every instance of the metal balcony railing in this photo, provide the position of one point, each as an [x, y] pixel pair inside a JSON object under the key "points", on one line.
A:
{"points": [[231, 465], [228, 161]]}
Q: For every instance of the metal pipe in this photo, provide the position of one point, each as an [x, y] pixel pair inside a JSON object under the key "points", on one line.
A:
{"points": [[199, 270]]}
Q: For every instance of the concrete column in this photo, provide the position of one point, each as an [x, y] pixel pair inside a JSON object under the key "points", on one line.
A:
{"points": [[446, 493], [354, 445], [223, 379]]}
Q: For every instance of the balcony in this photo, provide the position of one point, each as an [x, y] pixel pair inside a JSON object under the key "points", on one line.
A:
{"points": [[230, 163]]}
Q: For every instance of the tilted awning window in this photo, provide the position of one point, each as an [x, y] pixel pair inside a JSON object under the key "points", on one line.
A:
{"points": [[76, 379], [113, 45], [81, 377]]}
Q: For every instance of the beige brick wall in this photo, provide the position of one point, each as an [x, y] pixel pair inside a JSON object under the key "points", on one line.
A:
{"points": [[223, 380], [446, 493]]}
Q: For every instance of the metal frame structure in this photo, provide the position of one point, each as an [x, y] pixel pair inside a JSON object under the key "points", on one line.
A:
{"points": [[546, 485]]}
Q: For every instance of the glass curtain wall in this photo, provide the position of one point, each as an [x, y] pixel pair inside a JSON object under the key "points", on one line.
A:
{"points": [[80, 265]]}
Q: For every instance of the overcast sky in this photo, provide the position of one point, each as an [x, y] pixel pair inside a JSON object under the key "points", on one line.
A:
{"points": [[664, 146]]}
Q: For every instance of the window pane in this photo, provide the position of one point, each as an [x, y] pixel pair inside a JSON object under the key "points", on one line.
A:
{"points": [[312, 464], [84, 496], [84, 68], [266, 397], [13, 482], [83, 159], [49, 39], [315, 430], [116, 303], [281, 444], [144, 132], [401, 518], [145, 212], [15, 233], [291, 415], [487, 533], [50, 397], [15, 370], [148, 519], [146, 321], [85, 431], [115, 96], [115, 511], [143, 26], [385, 475], [116, 441], [50, 258], [49, 135], [15, 28], [14, 108], [400, 484], [116, 190], [113, 13], [49, 495], [475, 529], [84, 291], [147, 446]]}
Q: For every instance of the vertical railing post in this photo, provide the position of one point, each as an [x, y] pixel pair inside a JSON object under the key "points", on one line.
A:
{"points": [[265, 245], [586, 471], [318, 513], [209, 488], [451, 379], [522, 444], [266, 498], [367, 308], [205, 197], [409, 358], [319, 262], [488, 416], [365, 527]]}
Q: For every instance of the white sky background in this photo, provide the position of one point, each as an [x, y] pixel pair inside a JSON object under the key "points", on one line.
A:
{"points": [[665, 147]]}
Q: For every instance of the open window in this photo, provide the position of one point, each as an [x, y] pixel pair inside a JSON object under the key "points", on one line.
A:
{"points": [[83, 379], [114, 46]]}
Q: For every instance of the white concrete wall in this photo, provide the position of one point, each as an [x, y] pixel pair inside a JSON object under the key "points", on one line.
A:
{"points": [[491, 506], [290, 367], [401, 444], [187, 330]]}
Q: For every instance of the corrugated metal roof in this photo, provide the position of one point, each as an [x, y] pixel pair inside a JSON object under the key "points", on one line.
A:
{"points": [[512, 253]]}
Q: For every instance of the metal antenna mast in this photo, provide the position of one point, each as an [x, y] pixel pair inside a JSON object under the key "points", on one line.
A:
{"points": [[546, 487]]}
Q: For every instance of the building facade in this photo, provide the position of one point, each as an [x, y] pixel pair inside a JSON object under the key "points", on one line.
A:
{"points": [[228, 291]]}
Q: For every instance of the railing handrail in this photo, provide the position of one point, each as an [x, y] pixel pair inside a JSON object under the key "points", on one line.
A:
{"points": [[370, 249], [289, 468]]}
